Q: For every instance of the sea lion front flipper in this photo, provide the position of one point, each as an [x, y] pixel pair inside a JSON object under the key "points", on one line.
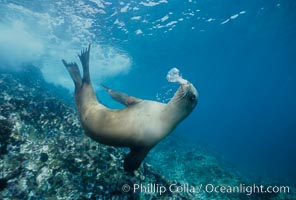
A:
{"points": [[121, 97], [134, 159]]}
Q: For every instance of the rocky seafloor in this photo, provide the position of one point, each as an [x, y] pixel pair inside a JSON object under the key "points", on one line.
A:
{"points": [[44, 154]]}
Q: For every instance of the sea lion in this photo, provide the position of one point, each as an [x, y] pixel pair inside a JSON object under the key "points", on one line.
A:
{"points": [[139, 126]]}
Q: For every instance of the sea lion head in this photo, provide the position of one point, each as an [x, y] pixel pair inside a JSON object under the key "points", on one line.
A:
{"points": [[186, 97]]}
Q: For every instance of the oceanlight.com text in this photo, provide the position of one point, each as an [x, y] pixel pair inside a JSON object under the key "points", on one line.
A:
{"points": [[207, 188]]}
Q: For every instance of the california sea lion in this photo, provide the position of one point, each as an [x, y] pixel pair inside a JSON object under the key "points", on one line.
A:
{"points": [[139, 126]]}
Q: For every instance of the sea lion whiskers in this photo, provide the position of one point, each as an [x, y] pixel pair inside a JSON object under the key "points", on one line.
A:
{"points": [[180, 94]]}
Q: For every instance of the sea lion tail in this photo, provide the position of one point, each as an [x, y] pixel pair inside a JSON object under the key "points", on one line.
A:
{"points": [[84, 59], [74, 73]]}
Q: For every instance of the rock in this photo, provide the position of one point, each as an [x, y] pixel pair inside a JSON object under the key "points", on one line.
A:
{"points": [[3, 183], [46, 155], [43, 157]]}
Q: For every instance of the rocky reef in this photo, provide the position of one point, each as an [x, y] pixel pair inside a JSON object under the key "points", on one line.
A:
{"points": [[44, 154]]}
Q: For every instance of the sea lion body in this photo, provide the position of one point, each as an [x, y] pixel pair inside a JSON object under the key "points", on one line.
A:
{"points": [[139, 126], [131, 121]]}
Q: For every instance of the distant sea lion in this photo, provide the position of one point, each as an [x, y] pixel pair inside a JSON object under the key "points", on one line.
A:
{"points": [[139, 126]]}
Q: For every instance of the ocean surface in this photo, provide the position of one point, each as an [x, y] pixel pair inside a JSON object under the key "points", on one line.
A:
{"points": [[240, 55]]}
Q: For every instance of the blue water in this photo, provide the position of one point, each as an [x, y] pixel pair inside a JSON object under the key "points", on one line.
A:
{"points": [[240, 55]]}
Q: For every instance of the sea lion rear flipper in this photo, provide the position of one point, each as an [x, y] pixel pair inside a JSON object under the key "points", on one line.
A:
{"points": [[74, 72], [121, 97], [84, 59], [134, 159]]}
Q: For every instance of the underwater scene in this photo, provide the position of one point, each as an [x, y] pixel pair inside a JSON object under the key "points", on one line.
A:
{"points": [[147, 99]]}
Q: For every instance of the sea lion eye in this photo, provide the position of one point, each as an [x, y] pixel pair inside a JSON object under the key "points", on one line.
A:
{"points": [[192, 97]]}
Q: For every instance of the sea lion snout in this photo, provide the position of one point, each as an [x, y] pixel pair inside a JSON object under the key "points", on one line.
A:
{"points": [[193, 95], [190, 92]]}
